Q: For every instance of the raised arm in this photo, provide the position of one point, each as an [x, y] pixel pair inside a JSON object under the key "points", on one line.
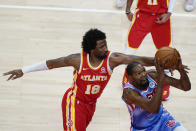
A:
{"points": [[71, 60], [117, 59], [183, 83]]}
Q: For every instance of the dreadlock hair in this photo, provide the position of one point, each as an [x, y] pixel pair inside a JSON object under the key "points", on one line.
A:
{"points": [[90, 39], [130, 67]]}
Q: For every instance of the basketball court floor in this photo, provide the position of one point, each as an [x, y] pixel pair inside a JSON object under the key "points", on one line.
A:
{"points": [[35, 30]]}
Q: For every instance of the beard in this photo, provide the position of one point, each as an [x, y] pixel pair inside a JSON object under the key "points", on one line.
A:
{"points": [[144, 84], [101, 57]]}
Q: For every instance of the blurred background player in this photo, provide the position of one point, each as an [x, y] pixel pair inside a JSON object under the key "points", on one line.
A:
{"points": [[151, 16], [142, 94], [189, 5], [120, 3]]}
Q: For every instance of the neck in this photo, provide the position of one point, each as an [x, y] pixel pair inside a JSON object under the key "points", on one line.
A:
{"points": [[94, 61], [139, 86]]}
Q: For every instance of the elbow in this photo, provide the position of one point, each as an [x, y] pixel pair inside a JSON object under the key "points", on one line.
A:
{"points": [[187, 88]]}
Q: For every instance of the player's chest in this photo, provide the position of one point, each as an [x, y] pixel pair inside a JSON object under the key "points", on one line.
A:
{"points": [[150, 91], [88, 74]]}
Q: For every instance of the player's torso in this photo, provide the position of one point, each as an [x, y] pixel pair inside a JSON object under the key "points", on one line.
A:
{"points": [[142, 118], [153, 6], [90, 81]]}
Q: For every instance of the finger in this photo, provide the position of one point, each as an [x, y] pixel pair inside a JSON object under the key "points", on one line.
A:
{"points": [[186, 67], [186, 71], [10, 77], [15, 77], [7, 73]]}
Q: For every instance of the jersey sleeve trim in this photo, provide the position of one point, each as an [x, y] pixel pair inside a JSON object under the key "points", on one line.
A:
{"points": [[94, 68], [108, 65], [81, 62]]}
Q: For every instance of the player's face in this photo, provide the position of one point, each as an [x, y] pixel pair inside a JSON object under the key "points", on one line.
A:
{"points": [[139, 76], [101, 49]]}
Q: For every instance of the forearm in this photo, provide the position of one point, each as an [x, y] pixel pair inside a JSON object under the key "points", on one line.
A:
{"points": [[147, 61], [46, 65], [129, 4], [35, 67], [151, 104], [155, 102]]}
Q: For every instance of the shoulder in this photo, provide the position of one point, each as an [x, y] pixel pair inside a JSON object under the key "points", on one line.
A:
{"points": [[116, 59], [116, 55], [152, 73]]}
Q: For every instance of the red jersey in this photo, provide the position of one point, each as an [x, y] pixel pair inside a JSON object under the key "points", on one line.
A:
{"points": [[153, 6], [90, 81]]}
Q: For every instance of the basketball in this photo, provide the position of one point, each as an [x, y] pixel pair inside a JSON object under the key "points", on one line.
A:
{"points": [[167, 57]]}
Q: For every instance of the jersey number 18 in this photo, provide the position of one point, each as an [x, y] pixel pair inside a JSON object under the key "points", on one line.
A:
{"points": [[152, 2], [92, 89]]}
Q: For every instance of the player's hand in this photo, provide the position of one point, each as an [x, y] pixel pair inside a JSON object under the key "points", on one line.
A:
{"points": [[130, 16], [163, 18], [14, 74], [181, 67]]}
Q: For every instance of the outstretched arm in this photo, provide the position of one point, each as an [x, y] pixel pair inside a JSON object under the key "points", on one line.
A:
{"points": [[71, 60], [117, 59]]}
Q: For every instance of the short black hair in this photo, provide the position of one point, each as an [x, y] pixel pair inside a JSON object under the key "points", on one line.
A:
{"points": [[130, 67], [90, 39]]}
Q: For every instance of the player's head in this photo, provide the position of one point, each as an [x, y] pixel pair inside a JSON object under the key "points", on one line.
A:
{"points": [[94, 41], [137, 74]]}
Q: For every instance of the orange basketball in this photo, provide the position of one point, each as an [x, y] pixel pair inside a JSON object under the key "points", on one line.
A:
{"points": [[167, 57]]}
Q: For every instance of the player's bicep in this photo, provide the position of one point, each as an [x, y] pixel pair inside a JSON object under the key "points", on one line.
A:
{"points": [[70, 60]]}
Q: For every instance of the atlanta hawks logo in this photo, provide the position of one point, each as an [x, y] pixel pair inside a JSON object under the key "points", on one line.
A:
{"points": [[103, 70]]}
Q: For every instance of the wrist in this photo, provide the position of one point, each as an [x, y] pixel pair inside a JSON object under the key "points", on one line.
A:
{"points": [[127, 12], [170, 13], [36, 67]]}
